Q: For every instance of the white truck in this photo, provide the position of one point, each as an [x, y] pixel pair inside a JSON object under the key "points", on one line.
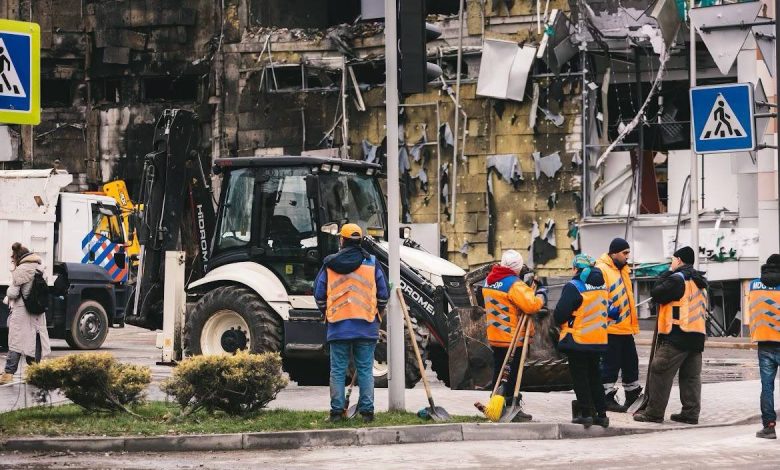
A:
{"points": [[82, 243]]}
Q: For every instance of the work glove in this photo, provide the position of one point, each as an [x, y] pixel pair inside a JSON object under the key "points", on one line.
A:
{"points": [[542, 291], [613, 313]]}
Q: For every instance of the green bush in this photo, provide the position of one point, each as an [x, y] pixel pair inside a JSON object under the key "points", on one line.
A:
{"points": [[94, 381], [236, 384]]}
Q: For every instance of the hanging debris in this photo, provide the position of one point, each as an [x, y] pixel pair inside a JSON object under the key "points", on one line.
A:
{"points": [[369, 151], [444, 188], [508, 169], [504, 69], [548, 165], [445, 135], [543, 247], [552, 201]]}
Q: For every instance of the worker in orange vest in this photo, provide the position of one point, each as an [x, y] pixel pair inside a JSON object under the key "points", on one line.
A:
{"points": [[682, 314], [621, 356], [351, 291], [582, 314], [507, 296], [764, 314]]}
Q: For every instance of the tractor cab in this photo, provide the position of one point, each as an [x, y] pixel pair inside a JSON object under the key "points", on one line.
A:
{"points": [[280, 212]]}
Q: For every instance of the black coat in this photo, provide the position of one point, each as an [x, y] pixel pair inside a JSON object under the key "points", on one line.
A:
{"points": [[670, 288]]}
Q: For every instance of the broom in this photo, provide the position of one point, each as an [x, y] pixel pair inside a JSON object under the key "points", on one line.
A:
{"points": [[495, 406]]}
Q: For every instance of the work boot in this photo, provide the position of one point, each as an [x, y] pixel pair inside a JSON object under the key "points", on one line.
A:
{"points": [[584, 417], [336, 417], [368, 416], [768, 432], [612, 404], [575, 410], [522, 417], [680, 418], [6, 378], [631, 397], [601, 420], [645, 418]]}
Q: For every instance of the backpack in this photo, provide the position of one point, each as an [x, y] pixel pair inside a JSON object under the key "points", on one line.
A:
{"points": [[37, 300]]}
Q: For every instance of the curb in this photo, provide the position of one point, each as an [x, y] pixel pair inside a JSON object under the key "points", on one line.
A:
{"points": [[710, 344], [286, 440]]}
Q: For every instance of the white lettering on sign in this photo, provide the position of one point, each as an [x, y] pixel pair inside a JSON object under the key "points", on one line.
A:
{"points": [[417, 298], [204, 242]]}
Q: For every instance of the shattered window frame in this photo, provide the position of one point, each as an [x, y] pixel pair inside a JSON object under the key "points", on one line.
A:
{"points": [[305, 72]]}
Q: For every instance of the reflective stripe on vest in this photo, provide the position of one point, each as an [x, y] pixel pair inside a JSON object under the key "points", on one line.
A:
{"points": [[689, 313], [764, 311], [618, 296], [589, 322], [501, 315], [352, 296]]}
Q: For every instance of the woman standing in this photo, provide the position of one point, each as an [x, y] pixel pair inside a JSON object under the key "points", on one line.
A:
{"points": [[27, 334], [582, 314]]}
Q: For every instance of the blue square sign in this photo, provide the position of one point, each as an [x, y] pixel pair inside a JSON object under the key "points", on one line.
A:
{"points": [[722, 118], [19, 72]]}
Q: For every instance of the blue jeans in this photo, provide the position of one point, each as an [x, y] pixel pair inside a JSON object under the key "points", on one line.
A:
{"points": [[362, 352], [768, 362]]}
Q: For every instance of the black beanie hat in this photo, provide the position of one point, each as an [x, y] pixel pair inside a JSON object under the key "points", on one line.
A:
{"points": [[618, 245], [685, 254], [773, 259]]}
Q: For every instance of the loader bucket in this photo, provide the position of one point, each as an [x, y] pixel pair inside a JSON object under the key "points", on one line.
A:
{"points": [[470, 356]]}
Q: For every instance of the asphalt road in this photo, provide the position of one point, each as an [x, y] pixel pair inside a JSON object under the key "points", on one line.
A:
{"points": [[720, 447]]}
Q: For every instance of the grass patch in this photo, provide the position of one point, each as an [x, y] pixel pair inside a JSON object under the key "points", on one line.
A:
{"points": [[71, 420]]}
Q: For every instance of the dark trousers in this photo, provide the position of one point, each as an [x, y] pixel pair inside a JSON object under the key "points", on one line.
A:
{"points": [[13, 358], [669, 359], [586, 376], [768, 362], [621, 357], [498, 358]]}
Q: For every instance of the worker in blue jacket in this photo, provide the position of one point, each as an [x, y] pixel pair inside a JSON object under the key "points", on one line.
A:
{"points": [[351, 291]]}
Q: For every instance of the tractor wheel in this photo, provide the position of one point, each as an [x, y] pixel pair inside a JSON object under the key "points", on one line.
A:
{"points": [[89, 327], [232, 318], [412, 370], [440, 363]]}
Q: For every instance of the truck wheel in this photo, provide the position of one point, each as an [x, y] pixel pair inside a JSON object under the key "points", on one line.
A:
{"points": [[232, 318], [89, 327], [412, 370]]}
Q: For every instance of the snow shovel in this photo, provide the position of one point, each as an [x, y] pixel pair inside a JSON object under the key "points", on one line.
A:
{"points": [[641, 401], [510, 413], [436, 413], [350, 411]]}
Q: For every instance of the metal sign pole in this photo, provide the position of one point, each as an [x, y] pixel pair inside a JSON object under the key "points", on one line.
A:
{"points": [[694, 157], [395, 325], [777, 93]]}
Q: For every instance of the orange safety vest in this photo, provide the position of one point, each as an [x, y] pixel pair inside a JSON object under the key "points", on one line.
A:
{"points": [[502, 313], [589, 322], [688, 313], [764, 311], [620, 295], [352, 296]]}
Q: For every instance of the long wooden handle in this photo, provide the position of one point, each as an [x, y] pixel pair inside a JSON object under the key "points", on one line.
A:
{"points": [[410, 328], [523, 356], [509, 353]]}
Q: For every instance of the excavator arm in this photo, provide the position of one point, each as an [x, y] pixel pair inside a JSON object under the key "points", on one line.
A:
{"points": [[175, 212]]}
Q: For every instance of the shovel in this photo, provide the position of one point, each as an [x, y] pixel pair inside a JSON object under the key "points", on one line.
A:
{"points": [[350, 411], [641, 401], [436, 413], [510, 413]]}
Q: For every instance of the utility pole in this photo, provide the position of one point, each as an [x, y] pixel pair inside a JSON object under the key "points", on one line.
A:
{"points": [[694, 157], [396, 385]]}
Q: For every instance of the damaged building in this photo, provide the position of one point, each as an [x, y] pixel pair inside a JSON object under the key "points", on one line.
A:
{"points": [[568, 125]]}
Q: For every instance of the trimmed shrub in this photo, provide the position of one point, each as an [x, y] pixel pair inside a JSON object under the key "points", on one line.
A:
{"points": [[236, 384], [94, 381]]}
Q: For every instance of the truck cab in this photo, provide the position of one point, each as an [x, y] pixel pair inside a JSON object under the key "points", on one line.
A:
{"points": [[81, 240]]}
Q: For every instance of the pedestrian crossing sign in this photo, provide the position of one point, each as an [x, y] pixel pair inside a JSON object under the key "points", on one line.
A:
{"points": [[20, 72], [722, 117]]}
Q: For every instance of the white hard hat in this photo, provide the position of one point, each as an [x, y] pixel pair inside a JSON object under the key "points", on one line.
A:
{"points": [[512, 260]]}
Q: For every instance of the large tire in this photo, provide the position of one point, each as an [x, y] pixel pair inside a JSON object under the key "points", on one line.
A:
{"points": [[230, 318], [440, 363], [89, 327], [412, 371]]}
